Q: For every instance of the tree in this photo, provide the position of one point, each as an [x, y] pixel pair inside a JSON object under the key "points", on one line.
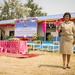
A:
{"points": [[11, 9], [35, 9]]}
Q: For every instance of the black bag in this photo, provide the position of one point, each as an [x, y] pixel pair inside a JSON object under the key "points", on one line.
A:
{"points": [[60, 33]]}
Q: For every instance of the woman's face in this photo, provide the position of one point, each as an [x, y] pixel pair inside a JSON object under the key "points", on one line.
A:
{"points": [[66, 18]]}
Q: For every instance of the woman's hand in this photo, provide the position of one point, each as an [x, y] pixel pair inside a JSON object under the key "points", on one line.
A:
{"points": [[73, 42], [60, 23]]}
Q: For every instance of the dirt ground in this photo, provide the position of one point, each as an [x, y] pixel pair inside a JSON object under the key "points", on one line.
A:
{"points": [[47, 63]]}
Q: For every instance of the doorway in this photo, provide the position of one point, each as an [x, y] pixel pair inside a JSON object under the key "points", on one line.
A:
{"points": [[11, 33], [2, 34]]}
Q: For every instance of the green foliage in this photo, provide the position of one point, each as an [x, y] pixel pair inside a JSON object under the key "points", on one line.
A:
{"points": [[35, 9], [11, 9], [39, 37], [50, 37]]}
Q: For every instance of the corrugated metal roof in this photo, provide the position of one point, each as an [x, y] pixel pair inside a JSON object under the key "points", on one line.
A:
{"points": [[54, 16], [6, 21], [39, 18]]}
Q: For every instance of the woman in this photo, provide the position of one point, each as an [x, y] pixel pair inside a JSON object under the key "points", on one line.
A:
{"points": [[67, 35]]}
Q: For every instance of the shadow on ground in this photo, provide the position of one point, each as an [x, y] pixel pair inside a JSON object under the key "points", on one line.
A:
{"points": [[55, 66]]}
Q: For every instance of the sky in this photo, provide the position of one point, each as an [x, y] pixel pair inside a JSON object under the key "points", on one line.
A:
{"points": [[52, 7]]}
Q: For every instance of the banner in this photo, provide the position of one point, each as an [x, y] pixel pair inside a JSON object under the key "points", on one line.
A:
{"points": [[25, 28]]}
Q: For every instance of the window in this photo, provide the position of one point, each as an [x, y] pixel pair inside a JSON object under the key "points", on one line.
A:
{"points": [[51, 25], [11, 33]]}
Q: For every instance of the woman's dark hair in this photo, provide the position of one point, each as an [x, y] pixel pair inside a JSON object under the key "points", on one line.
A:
{"points": [[67, 13]]}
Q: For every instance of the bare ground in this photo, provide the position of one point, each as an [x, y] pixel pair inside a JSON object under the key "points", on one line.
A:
{"points": [[47, 63]]}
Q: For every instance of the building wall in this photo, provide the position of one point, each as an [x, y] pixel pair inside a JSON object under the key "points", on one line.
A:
{"points": [[7, 29], [39, 31]]}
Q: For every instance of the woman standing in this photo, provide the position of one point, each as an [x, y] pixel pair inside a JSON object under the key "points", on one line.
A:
{"points": [[67, 38]]}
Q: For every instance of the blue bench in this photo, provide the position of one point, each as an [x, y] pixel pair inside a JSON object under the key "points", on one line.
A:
{"points": [[37, 44], [47, 45]]}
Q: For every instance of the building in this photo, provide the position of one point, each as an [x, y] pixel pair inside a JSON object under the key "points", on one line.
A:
{"points": [[7, 26]]}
